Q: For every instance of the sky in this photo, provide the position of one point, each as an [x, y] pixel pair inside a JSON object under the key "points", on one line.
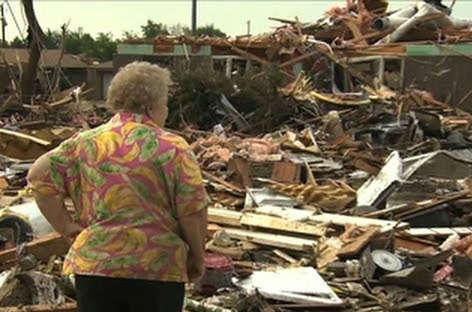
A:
{"points": [[117, 16]]}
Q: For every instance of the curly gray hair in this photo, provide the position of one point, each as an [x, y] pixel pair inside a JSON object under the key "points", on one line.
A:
{"points": [[138, 86]]}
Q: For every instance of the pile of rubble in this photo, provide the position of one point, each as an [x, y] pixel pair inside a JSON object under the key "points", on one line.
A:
{"points": [[352, 203]]}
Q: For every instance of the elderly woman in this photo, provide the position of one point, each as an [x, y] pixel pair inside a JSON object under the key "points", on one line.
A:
{"points": [[139, 199]]}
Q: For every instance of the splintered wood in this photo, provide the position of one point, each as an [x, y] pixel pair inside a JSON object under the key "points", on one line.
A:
{"points": [[332, 197]]}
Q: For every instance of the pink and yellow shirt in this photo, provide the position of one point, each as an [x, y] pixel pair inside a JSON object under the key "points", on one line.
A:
{"points": [[130, 182]]}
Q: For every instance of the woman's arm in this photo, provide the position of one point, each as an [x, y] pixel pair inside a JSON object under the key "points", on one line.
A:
{"points": [[51, 205], [194, 228]]}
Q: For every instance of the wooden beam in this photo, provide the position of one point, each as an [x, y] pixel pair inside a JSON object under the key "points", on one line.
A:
{"points": [[355, 246], [25, 136], [42, 248], [273, 240], [439, 232], [384, 225], [330, 218], [275, 223], [225, 217]]}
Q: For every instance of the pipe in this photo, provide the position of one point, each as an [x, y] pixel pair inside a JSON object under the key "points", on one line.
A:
{"points": [[388, 22], [424, 9]]}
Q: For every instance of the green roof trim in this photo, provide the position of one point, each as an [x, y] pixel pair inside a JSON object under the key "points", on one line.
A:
{"points": [[437, 50], [144, 49]]}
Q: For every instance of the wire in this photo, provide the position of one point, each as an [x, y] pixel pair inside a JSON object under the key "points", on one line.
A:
{"points": [[14, 19]]}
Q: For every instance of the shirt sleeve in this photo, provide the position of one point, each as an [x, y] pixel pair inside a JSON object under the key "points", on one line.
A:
{"points": [[191, 195], [51, 171]]}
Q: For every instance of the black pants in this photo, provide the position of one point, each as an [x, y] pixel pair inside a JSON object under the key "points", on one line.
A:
{"points": [[104, 294]]}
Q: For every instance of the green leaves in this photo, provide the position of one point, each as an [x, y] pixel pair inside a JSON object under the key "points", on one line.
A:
{"points": [[119, 262], [150, 144], [109, 167], [167, 240], [142, 190], [90, 148], [163, 259], [164, 158], [93, 176], [138, 134], [149, 148]]}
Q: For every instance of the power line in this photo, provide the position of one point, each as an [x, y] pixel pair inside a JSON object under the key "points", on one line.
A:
{"points": [[14, 19]]}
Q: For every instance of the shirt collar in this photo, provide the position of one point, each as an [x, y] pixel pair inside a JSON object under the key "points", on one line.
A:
{"points": [[124, 117]]}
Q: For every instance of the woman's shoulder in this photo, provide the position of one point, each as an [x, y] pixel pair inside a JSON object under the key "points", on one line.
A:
{"points": [[166, 137]]}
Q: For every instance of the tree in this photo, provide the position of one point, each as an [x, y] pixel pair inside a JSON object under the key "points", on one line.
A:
{"points": [[18, 43], [103, 47], [129, 35], [78, 42], [35, 37], [52, 39], [179, 30], [153, 29], [210, 31]]}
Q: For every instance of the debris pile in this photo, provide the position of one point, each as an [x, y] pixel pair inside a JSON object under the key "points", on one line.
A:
{"points": [[333, 184]]}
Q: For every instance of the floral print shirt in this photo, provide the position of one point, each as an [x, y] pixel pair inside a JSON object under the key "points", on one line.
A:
{"points": [[130, 182]]}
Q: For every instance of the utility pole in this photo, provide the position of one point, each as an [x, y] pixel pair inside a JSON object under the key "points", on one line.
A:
{"points": [[4, 24], [194, 17]]}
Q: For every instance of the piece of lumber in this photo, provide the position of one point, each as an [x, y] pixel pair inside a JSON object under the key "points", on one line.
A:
{"points": [[298, 59], [329, 218], [330, 98], [225, 217], [275, 223], [25, 136], [284, 256], [236, 253], [68, 99], [227, 185], [384, 225], [237, 219], [42, 248], [355, 30], [67, 307], [425, 206], [355, 246], [439, 232], [273, 240]]}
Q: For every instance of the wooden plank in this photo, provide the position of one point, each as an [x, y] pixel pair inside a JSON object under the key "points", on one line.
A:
{"points": [[302, 215], [25, 136], [227, 185], [42, 248], [385, 225], [275, 223], [223, 216], [67, 307], [232, 252], [439, 232], [237, 219], [273, 240], [284, 256], [355, 246]]}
